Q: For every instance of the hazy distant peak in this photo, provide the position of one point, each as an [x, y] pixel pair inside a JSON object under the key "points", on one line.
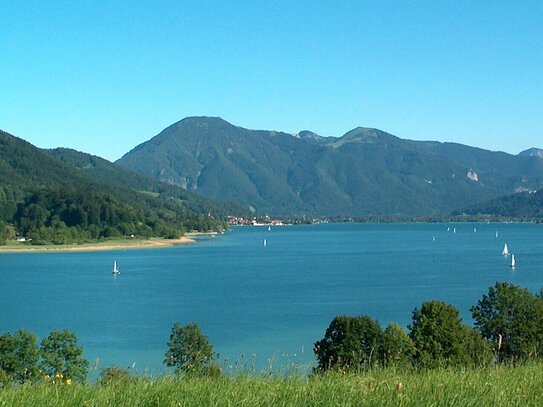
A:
{"points": [[532, 152], [312, 137], [365, 135]]}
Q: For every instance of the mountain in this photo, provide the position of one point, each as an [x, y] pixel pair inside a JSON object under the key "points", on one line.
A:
{"points": [[54, 202], [313, 137], [364, 172], [106, 172], [532, 152]]}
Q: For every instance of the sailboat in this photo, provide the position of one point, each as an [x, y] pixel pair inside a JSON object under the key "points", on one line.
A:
{"points": [[269, 227], [513, 261], [115, 271], [265, 242], [505, 251]]}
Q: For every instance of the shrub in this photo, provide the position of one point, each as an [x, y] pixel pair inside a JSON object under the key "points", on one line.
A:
{"points": [[397, 348], [349, 343], [189, 351], [512, 319], [19, 355], [114, 375], [439, 335], [62, 357]]}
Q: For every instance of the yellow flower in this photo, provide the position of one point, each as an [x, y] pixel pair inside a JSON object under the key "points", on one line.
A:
{"points": [[68, 381]]}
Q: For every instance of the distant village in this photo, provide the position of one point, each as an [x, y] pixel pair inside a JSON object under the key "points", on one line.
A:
{"points": [[263, 221]]}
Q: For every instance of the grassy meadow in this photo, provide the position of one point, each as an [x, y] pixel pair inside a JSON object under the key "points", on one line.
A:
{"points": [[491, 386]]}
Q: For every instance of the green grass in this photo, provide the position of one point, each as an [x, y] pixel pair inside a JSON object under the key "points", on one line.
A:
{"points": [[496, 386]]}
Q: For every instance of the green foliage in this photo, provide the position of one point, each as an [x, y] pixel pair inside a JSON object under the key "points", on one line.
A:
{"points": [[440, 337], [19, 355], [62, 216], [512, 318], [189, 350], [105, 172], [520, 206], [62, 357], [3, 233], [53, 201], [114, 375], [349, 343], [397, 348]]}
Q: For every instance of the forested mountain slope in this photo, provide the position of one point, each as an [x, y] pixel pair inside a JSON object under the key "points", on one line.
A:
{"points": [[364, 172]]}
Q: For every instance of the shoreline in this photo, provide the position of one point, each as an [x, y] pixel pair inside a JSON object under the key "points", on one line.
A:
{"points": [[109, 245]]}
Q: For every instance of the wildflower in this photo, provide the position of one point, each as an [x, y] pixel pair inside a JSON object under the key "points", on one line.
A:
{"points": [[68, 382]]}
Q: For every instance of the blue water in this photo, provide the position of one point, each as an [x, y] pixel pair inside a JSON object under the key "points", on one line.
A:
{"points": [[272, 301]]}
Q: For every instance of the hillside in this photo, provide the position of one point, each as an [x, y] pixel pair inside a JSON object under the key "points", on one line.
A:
{"points": [[364, 172], [106, 172], [522, 206], [51, 201], [532, 152]]}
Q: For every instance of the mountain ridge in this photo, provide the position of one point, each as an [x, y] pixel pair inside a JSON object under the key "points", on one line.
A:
{"points": [[365, 172]]}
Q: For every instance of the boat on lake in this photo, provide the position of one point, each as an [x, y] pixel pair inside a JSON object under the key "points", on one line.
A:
{"points": [[505, 251], [513, 261], [115, 271]]}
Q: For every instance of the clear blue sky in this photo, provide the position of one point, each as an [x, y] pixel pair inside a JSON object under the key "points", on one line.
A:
{"points": [[105, 76]]}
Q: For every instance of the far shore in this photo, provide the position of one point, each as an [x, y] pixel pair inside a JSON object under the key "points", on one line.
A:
{"points": [[113, 244]]}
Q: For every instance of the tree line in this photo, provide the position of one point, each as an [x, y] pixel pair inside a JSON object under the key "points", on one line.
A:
{"points": [[66, 215], [508, 329]]}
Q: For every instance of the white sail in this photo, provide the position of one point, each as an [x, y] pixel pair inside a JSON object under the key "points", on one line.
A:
{"points": [[265, 242], [513, 261], [115, 269], [505, 251]]}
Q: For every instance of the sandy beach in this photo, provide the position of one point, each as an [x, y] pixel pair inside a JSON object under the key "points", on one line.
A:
{"points": [[15, 247]]}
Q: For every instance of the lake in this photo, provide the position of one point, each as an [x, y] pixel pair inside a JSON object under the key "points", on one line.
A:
{"points": [[261, 304]]}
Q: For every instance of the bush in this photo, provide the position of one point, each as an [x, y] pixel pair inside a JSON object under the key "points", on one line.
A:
{"points": [[62, 357], [114, 375], [397, 348], [439, 335], [19, 355], [189, 351], [512, 319], [349, 343]]}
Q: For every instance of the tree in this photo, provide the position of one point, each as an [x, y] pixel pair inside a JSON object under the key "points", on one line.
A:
{"points": [[62, 357], [3, 233], [397, 348], [349, 343], [189, 350], [512, 319], [19, 355], [439, 335]]}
